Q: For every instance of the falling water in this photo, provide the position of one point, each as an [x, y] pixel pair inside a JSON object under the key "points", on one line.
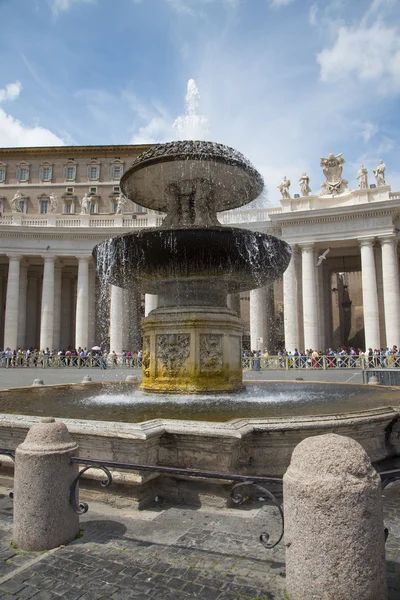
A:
{"points": [[192, 126]]}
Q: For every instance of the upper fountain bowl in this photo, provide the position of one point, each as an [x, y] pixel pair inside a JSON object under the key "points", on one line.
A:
{"points": [[233, 179]]}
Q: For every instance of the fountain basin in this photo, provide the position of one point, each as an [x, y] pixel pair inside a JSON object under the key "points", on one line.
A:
{"points": [[255, 435], [236, 259]]}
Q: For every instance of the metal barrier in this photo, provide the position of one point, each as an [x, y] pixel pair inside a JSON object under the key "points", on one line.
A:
{"points": [[270, 363]]}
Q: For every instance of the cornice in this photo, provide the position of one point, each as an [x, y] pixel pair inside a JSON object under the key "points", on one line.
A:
{"points": [[76, 151], [336, 213]]}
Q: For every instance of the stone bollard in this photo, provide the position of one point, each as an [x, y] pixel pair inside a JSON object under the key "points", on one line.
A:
{"points": [[37, 382], [334, 533], [43, 516], [87, 379]]}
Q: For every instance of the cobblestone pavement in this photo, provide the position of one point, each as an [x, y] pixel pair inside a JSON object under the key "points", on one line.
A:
{"points": [[168, 554], [11, 378]]}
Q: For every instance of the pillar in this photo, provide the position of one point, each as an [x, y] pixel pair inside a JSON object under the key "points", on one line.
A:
{"points": [[31, 311], [132, 319], [66, 296], [92, 306], [310, 299], [82, 304], [12, 303], [150, 303], [233, 302], [334, 532], [47, 313], [391, 290], [43, 516], [57, 307], [370, 294], [290, 306], [381, 302], [116, 319], [258, 319], [23, 290]]}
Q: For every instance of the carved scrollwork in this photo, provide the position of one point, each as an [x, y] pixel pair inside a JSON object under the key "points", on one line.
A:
{"points": [[211, 352], [173, 350]]}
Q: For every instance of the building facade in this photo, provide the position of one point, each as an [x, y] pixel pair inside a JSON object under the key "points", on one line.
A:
{"points": [[56, 204]]}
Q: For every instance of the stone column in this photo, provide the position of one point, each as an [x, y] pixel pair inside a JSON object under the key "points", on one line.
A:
{"points": [[66, 294], [334, 532], [321, 308], [233, 302], [290, 306], [92, 305], [82, 304], [116, 319], [57, 307], [327, 325], [12, 303], [381, 302], [391, 290], [47, 314], [23, 289], [370, 295], [257, 318], [31, 310], [43, 516], [132, 319], [150, 303], [2, 304], [310, 299]]}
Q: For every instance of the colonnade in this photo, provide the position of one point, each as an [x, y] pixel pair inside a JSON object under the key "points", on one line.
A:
{"points": [[59, 304], [306, 291]]}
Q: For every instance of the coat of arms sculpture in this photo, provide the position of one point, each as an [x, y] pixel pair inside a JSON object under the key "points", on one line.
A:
{"points": [[332, 169]]}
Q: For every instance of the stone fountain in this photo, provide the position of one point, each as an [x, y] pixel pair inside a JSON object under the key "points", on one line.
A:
{"points": [[192, 341]]}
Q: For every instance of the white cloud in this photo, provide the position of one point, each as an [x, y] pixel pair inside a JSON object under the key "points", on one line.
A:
{"points": [[367, 129], [312, 14], [11, 91], [368, 54], [158, 130], [15, 133], [58, 6], [191, 7], [278, 3]]}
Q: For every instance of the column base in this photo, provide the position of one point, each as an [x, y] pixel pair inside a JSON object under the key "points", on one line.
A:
{"points": [[193, 350]]}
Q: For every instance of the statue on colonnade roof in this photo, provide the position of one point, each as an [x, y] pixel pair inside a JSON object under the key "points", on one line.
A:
{"points": [[332, 169]]}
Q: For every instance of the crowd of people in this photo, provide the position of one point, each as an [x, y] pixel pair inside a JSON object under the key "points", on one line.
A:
{"points": [[72, 357], [341, 357]]}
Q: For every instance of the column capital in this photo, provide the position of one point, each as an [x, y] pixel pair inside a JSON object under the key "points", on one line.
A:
{"points": [[307, 247], [366, 241], [82, 259], [15, 256], [390, 238], [49, 258]]}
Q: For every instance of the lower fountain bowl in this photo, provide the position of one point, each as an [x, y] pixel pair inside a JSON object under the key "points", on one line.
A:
{"points": [[238, 259]]}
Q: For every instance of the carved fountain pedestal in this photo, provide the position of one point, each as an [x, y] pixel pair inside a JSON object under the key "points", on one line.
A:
{"points": [[192, 341]]}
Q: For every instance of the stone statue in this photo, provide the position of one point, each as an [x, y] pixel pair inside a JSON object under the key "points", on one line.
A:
{"points": [[15, 202], [362, 177], [332, 169], [53, 203], [85, 204], [379, 173], [283, 187], [304, 184], [121, 201]]}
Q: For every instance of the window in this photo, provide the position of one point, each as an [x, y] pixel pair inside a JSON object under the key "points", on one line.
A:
{"points": [[70, 190], [93, 170], [116, 171], [46, 172], [116, 188], [115, 206], [22, 206], [2, 173], [93, 190], [44, 207], [68, 208], [139, 208], [23, 173], [70, 172], [92, 208]]}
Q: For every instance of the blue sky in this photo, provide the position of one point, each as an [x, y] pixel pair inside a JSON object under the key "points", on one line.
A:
{"points": [[283, 81]]}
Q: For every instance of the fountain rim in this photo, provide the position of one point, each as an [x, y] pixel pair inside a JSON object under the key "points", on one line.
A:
{"points": [[229, 158]]}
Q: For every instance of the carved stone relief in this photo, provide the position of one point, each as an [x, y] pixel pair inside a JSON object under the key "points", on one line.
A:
{"points": [[172, 350], [210, 352], [146, 356]]}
